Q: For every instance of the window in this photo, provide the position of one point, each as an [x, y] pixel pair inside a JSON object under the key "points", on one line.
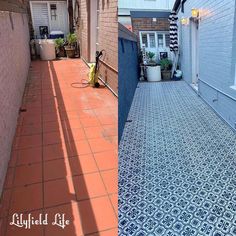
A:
{"points": [[152, 40], [144, 40], [167, 37], [53, 8], [160, 39]]}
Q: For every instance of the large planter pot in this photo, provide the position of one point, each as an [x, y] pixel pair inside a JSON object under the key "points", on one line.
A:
{"points": [[153, 73], [166, 75], [70, 51], [47, 49], [61, 52]]}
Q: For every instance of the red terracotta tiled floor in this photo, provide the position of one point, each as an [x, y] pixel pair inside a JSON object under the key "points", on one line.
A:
{"points": [[64, 156]]}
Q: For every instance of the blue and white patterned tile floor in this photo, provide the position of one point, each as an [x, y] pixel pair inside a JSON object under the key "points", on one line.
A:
{"points": [[177, 166]]}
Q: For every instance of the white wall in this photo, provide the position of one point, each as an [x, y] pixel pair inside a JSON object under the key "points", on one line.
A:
{"points": [[40, 12], [217, 54], [216, 31], [14, 65], [146, 4]]}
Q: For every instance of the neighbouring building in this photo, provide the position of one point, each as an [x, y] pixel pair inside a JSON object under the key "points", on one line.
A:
{"points": [[126, 6], [97, 29], [207, 38], [14, 66], [50, 14], [152, 29]]}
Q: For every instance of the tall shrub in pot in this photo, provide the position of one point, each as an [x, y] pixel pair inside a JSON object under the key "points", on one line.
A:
{"points": [[166, 65], [153, 69], [60, 50], [70, 47]]}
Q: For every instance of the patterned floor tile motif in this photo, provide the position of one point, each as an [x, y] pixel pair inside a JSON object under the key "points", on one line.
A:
{"points": [[177, 166]]}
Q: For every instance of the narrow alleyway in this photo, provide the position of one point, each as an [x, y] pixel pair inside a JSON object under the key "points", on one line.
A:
{"points": [[64, 156], [177, 166]]}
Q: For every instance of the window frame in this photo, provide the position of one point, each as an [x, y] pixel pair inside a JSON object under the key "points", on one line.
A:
{"points": [[54, 11], [156, 38]]}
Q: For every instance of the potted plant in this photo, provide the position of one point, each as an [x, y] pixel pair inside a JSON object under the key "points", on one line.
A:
{"points": [[153, 69], [166, 65], [151, 56], [60, 50], [70, 47]]}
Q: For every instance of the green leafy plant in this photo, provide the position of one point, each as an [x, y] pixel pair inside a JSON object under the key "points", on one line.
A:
{"points": [[71, 39], [150, 56], [59, 42], [165, 64]]}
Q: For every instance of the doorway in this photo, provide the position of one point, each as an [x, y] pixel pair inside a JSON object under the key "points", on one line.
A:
{"points": [[195, 53]]}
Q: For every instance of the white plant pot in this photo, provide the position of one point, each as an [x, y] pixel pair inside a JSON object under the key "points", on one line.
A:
{"points": [[154, 73], [47, 49]]}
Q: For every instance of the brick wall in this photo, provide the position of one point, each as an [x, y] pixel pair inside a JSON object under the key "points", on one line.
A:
{"points": [[19, 6], [14, 65], [82, 28], [141, 24], [147, 24], [108, 39]]}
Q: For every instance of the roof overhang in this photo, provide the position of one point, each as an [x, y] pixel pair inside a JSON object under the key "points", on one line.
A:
{"points": [[149, 14]]}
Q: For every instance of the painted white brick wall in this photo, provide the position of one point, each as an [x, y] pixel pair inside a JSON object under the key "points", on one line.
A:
{"points": [[14, 65], [217, 55]]}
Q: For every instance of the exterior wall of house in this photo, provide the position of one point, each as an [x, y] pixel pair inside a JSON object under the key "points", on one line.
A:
{"points": [[13, 6], [147, 24], [146, 4], [108, 41], [217, 55], [82, 29], [41, 16], [107, 38], [14, 65], [128, 74]]}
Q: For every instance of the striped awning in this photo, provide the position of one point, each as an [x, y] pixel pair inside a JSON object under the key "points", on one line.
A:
{"points": [[173, 32]]}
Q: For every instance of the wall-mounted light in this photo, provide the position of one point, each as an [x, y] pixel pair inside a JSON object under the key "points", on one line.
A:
{"points": [[195, 12], [184, 21]]}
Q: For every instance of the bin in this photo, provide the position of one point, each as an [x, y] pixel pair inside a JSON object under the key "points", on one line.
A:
{"points": [[153, 73], [56, 34], [47, 49]]}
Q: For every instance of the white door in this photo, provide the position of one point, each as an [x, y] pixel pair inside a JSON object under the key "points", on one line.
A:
{"points": [[194, 50], [39, 13], [149, 41]]}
